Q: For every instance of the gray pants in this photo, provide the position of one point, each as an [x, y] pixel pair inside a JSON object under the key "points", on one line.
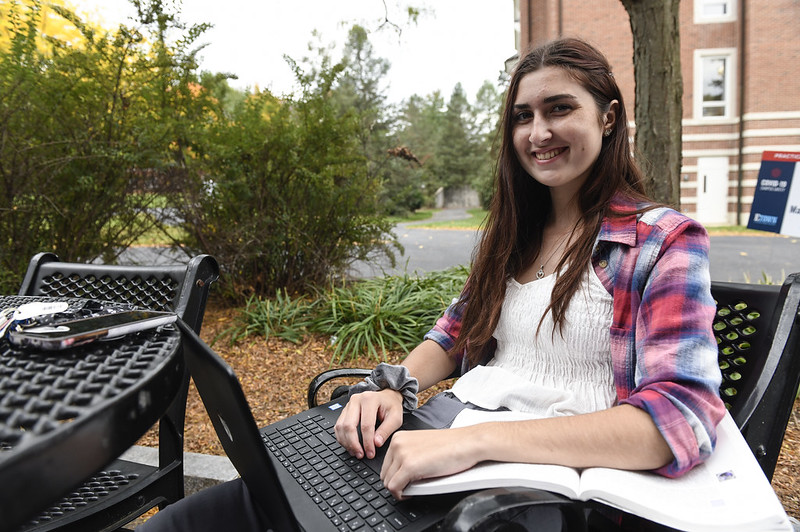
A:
{"points": [[441, 410]]}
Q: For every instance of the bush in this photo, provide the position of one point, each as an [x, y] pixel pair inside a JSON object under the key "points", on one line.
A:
{"points": [[87, 128], [282, 197], [369, 317], [375, 316], [282, 317]]}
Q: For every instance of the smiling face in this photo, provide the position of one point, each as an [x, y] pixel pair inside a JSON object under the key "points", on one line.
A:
{"points": [[558, 129]]}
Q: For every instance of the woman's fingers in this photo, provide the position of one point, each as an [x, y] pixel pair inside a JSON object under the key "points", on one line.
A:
{"points": [[356, 427], [418, 454]]}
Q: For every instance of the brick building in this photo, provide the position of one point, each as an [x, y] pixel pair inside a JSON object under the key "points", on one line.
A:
{"points": [[741, 86]]}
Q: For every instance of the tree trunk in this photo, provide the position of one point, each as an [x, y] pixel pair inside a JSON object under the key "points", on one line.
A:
{"points": [[659, 88]]}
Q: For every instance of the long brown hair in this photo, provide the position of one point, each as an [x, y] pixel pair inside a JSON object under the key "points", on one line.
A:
{"points": [[520, 206]]}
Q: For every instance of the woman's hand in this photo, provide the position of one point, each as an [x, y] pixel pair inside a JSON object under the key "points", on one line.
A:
{"points": [[366, 411], [622, 437], [428, 363], [418, 454]]}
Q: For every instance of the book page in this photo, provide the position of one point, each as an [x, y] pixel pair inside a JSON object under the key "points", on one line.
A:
{"points": [[558, 479], [728, 492]]}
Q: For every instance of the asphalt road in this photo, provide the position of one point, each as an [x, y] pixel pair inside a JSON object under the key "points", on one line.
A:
{"points": [[754, 258], [732, 258]]}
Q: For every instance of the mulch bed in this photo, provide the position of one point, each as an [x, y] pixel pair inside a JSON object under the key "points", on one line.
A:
{"points": [[275, 375]]}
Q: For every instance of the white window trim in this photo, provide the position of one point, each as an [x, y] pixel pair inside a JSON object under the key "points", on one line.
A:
{"points": [[700, 18], [730, 87]]}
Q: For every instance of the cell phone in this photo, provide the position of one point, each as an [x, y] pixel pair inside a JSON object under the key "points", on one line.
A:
{"points": [[78, 332]]}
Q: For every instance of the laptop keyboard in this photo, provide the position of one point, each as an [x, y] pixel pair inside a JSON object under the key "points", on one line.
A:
{"points": [[347, 490]]}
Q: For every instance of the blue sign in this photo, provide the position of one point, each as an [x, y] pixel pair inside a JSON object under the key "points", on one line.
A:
{"points": [[776, 203]]}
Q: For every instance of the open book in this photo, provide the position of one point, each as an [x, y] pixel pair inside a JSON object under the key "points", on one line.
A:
{"points": [[728, 492]]}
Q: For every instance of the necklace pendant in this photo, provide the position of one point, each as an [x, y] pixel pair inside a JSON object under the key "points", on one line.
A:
{"points": [[540, 273]]}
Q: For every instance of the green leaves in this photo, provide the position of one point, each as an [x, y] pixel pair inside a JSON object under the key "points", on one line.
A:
{"points": [[291, 203], [369, 317], [281, 317], [93, 126], [110, 136], [378, 315]]}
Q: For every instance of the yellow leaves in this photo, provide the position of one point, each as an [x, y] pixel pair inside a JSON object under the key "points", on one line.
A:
{"points": [[268, 104], [50, 23]]}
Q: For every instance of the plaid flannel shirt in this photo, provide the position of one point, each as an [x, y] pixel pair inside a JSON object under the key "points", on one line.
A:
{"points": [[655, 265]]}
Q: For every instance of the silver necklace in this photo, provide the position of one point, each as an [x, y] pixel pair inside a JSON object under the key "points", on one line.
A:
{"points": [[540, 273]]}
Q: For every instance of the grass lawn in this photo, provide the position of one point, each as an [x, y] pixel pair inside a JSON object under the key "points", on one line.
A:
{"points": [[479, 215], [157, 238]]}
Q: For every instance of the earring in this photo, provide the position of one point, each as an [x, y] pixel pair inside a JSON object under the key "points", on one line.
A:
{"points": [[607, 132]]}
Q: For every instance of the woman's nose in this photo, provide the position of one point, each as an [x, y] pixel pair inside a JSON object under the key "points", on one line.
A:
{"points": [[540, 132]]}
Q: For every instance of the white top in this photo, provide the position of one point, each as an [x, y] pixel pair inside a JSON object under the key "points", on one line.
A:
{"points": [[547, 375]]}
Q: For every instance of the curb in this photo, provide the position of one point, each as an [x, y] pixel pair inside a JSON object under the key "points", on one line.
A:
{"points": [[200, 471]]}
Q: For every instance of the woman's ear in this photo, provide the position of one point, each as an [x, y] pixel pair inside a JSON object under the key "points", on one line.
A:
{"points": [[610, 116]]}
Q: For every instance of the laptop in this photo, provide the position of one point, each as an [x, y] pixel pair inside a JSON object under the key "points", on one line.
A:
{"points": [[294, 468]]}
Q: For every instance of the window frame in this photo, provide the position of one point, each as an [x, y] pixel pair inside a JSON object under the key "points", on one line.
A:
{"points": [[701, 18], [729, 102]]}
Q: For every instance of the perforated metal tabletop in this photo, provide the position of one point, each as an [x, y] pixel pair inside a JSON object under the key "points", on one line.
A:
{"points": [[66, 414]]}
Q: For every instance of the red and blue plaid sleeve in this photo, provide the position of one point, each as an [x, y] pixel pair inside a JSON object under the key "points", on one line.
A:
{"points": [[675, 373], [447, 328]]}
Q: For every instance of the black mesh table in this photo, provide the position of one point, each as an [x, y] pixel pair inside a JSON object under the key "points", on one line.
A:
{"points": [[66, 414]]}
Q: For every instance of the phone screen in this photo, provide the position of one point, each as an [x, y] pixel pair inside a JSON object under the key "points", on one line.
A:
{"points": [[77, 332]]}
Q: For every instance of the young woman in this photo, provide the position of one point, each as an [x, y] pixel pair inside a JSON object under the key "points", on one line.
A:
{"points": [[587, 306]]}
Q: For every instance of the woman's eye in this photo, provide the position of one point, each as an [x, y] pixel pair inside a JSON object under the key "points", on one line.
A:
{"points": [[561, 108], [523, 116]]}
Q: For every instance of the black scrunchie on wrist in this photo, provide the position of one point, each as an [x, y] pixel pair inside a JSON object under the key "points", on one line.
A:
{"points": [[393, 377]]}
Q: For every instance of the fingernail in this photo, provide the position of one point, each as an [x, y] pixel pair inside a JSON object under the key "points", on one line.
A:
{"points": [[378, 440]]}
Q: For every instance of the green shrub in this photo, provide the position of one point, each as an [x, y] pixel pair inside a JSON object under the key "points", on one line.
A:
{"points": [[282, 197], [765, 278], [369, 317], [282, 317], [89, 132]]}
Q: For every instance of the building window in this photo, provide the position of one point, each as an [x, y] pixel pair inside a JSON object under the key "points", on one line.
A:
{"points": [[713, 83], [709, 11]]}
